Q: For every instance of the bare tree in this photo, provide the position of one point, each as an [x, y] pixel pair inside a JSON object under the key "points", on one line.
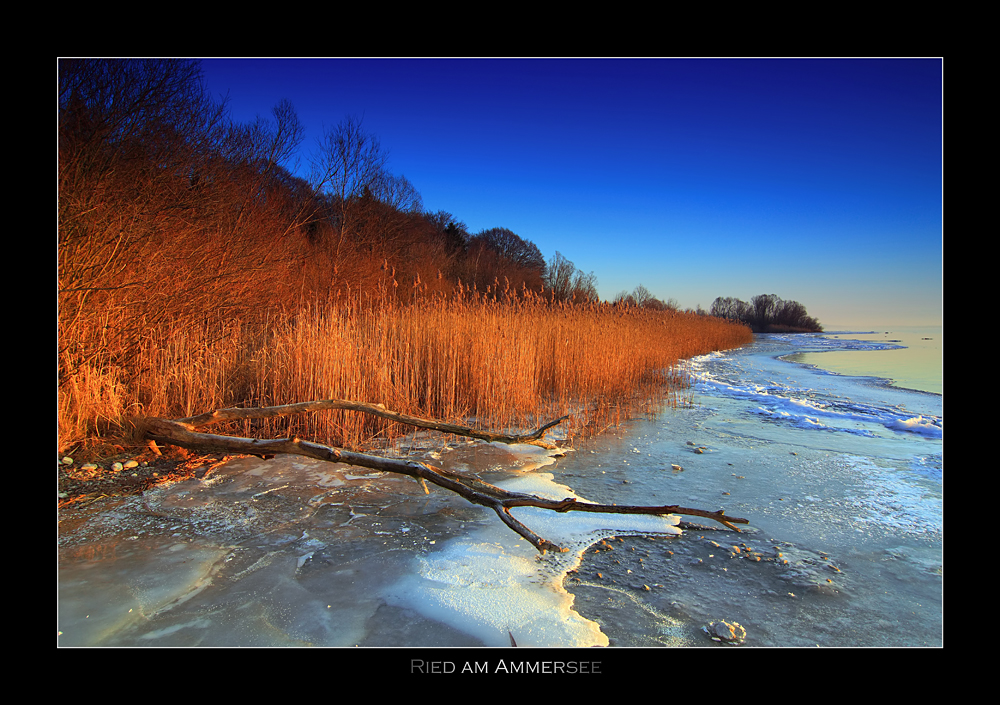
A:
{"points": [[585, 287], [350, 160], [348, 168], [567, 283], [498, 254], [377, 215], [764, 307], [644, 297], [516, 250], [559, 277], [398, 193]]}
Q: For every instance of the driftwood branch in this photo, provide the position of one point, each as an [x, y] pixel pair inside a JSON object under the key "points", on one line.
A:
{"points": [[182, 433], [219, 415]]}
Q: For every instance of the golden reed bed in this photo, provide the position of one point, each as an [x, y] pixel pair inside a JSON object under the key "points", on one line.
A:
{"points": [[497, 364]]}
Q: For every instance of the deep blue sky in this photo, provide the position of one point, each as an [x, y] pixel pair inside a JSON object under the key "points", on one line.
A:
{"points": [[816, 180]]}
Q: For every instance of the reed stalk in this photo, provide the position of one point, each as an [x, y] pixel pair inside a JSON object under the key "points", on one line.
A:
{"points": [[493, 360]]}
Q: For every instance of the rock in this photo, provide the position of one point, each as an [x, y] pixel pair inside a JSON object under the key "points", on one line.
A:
{"points": [[729, 632], [67, 460], [89, 466], [132, 464], [116, 467]]}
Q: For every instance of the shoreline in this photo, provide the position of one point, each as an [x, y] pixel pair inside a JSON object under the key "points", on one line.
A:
{"points": [[915, 361], [887, 382], [838, 522]]}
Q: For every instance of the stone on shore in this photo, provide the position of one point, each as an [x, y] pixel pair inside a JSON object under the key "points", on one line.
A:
{"points": [[728, 632]]}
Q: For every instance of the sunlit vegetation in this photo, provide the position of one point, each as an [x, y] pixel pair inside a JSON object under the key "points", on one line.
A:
{"points": [[501, 362], [197, 272]]}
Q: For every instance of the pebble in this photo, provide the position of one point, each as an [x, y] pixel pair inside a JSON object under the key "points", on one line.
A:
{"points": [[729, 632], [115, 467]]}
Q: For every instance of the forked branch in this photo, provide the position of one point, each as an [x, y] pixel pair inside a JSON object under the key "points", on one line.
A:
{"points": [[182, 433], [219, 415]]}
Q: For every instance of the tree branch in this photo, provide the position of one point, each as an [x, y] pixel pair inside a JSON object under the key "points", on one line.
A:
{"points": [[219, 415], [181, 433]]}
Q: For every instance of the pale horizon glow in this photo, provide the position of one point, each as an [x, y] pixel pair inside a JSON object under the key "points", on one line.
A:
{"points": [[816, 180]]}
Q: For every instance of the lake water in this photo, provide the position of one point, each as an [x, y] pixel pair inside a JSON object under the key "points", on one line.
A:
{"points": [[840, 477], [912, 358]]}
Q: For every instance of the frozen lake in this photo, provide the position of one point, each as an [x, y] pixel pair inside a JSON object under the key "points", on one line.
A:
{"points": [[841, 478]]}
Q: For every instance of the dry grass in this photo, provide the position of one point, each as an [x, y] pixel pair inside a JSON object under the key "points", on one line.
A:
{"points": [[499, 364]]}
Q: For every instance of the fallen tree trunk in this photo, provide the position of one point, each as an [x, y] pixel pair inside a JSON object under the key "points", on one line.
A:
{"points": [[181, 432]]}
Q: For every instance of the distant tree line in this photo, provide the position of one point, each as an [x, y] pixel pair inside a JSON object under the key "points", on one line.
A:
{"points": [[766, 313], [642, 297]]}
